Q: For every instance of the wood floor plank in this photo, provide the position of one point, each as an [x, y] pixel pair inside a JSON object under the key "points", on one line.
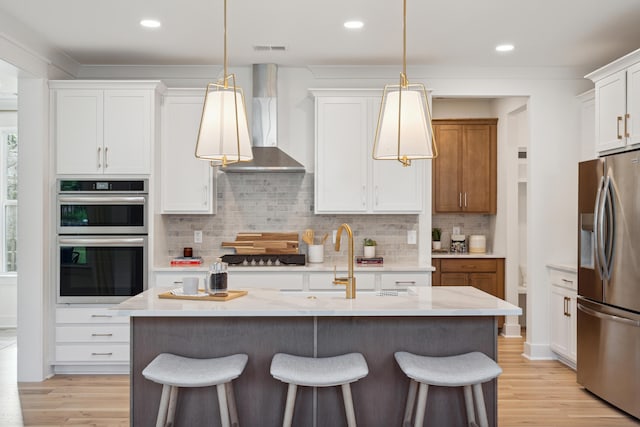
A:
{"points": [[530, 393]]}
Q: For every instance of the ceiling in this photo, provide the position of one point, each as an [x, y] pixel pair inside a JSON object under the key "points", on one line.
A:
{"points": [[546, 33]]}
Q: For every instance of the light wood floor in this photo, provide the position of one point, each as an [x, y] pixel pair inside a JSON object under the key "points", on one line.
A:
{"points": [[541, 393]]}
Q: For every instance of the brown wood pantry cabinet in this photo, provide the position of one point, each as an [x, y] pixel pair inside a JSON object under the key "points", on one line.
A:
{"points": [[465, 171]]}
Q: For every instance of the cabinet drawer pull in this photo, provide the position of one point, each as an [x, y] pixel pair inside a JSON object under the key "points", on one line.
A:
{"points": [[405, 282], [619, 119], [101, 315], [460, 199], [102, 354], [101, 335], [99, 156], [567, 281], [106, 157], [465, 199]]}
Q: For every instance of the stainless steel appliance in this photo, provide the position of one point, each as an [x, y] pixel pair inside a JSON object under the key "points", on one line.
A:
{"points": [[102, 243], [102, 207], [608, 361]]}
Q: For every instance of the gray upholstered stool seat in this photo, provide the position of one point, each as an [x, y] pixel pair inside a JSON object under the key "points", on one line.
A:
{"points": [[173, 371], [467, 370], [319, 372]]}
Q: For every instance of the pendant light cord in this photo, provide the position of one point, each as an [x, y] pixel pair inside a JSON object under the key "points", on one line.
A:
{"points": [[225, 44]]}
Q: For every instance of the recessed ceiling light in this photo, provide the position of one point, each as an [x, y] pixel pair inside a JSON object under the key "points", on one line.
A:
{"points": [[150, 23], [504, 48], [353, 25]]}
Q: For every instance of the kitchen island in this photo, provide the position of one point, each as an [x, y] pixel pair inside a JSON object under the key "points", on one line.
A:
{"points": [[434, 321]]}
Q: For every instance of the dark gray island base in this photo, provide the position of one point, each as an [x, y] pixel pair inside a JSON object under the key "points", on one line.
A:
{"points": [[379, 398]]}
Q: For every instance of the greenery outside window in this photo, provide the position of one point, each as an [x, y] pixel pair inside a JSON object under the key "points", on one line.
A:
{"points": [[9, 198]]}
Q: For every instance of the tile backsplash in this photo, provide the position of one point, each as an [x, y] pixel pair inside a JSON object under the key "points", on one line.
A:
{"points": [[284, 202], [469, 224]]}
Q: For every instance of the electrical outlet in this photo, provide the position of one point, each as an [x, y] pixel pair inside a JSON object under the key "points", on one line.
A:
{"points": [[197, 236], [412, 237], [333, 236], [456, 230]]}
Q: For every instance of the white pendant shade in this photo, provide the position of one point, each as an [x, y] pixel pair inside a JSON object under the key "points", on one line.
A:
{"points": [[414, 139], [224, 132]]}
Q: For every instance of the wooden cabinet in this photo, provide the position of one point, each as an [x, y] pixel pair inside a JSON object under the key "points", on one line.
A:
{"points": [[563, 306], [89, 339], [104, 127], [617, 103], [465, 171], [486, 274], [188, 184], [347, 179]]}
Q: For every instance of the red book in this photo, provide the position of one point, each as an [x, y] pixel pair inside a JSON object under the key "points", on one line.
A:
{"points": [[186, 261]]}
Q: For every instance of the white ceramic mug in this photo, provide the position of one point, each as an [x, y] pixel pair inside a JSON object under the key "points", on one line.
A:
{"points": [[316, 253], [190, 285]]}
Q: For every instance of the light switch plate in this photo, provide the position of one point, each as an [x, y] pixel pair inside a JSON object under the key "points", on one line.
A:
{"points": [[412, 237], [456, 230], [197, 236]]}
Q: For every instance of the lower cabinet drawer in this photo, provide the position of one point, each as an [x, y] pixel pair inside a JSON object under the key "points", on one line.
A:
{"points": [[468, 265], [107, 333], [319, 281], [404, 280], [89, 315], [92, 353]]}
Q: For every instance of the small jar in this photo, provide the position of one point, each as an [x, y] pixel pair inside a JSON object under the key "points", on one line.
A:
{"points": [[217, 280]]}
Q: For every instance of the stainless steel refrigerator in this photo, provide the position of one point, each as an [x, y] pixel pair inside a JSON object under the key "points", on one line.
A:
{"points": [[608, 362]]}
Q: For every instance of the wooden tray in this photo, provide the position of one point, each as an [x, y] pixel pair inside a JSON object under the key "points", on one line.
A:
{"points": [[230, 295]]}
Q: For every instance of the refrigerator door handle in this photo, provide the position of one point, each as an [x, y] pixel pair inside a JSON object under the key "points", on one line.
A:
{"points": [[598, 226], [609, 223], [605, 316]]}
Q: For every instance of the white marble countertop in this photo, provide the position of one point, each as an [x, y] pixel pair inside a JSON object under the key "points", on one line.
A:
{"points": [[419, 301], [465, 255], [309, 267]]}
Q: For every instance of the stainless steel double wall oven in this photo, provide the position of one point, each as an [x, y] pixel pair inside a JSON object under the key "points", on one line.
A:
{"points": [[102, 242]]}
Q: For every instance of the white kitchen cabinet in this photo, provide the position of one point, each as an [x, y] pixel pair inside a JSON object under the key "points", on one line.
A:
{"points": [[347, 179], [617, 103], [104, 127], [563, 295], [237, 279], [188, 184], [324, 281], [398, 281], [90, 339]]}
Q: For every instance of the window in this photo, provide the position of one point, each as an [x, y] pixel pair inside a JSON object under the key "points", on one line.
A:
{"points": [[9, 198]]}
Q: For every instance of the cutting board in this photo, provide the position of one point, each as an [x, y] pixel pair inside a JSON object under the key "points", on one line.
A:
{"points": [[264, 243], [231, 294]]}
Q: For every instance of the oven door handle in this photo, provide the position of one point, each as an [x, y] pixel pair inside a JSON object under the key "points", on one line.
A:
{"points": [[96, 200], [101, 240]]}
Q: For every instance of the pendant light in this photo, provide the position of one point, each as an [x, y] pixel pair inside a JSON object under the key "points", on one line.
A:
{"points": [[223, 137], [404, 131]]}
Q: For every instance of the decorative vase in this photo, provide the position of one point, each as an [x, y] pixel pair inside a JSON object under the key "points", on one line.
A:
{"points": [[369, 251], [437, 245]]}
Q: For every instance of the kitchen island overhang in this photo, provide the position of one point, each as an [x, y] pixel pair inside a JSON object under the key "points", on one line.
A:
{"points": [[436, 321]]}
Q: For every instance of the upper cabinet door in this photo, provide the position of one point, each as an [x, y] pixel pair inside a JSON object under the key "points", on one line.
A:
{"points": [[127, 131], [187, 183], [478, 169], [610, 111], [633, 104], [78, 131], [447, 192], [341, 154]]}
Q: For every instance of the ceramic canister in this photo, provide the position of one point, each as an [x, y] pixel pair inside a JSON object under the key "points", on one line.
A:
{"points": [[477, 244]]}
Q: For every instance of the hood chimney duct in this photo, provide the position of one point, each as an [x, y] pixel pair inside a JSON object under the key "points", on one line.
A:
{"points": [[267, 157]]}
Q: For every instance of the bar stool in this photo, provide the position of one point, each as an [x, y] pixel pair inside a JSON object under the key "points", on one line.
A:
{"points": [[174, 371], [319, 372], [467, 370]]}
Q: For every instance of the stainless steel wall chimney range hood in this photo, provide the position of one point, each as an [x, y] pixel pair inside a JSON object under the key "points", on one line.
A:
{"points": [[267, 157]]}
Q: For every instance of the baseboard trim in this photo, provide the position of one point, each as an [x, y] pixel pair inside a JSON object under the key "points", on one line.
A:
{"points": [[538, 352]]}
